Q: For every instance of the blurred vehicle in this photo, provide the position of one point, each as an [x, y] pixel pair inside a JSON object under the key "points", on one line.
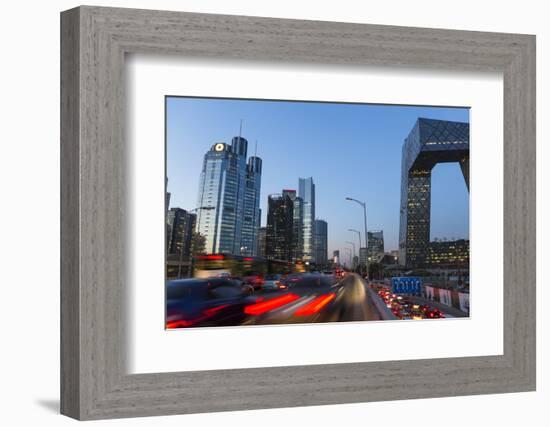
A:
{"points": [[289, 279], [225, 275], [339, 273], [250, 269], [430, 312], [206, 302], [272, 282], [254, 280], [309, 283]]}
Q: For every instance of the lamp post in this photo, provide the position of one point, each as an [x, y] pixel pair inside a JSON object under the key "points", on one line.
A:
{"points": [[359, 234], [364, 205], [206, 208]]}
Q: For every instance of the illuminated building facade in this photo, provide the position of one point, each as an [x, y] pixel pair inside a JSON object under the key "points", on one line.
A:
{"points": [[180, 226], [280, 227], [455, 253]]}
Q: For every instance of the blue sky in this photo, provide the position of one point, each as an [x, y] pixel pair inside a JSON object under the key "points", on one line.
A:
{"points": [[349, 150]]}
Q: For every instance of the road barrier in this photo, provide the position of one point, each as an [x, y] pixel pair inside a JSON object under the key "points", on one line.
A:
{"points": [[451, 298], [383, 310]]}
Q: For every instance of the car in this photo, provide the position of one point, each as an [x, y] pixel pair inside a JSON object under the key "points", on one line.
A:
{"points": [[272, 282], [254, 280], [206, 302]]}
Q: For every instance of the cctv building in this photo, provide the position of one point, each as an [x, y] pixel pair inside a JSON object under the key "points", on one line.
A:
{"points": [[430, 142], [228, 203]]}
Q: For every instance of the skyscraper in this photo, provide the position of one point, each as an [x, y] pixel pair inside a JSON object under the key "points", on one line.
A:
{"points": [[251, 221], [306, 192], [321, 241], [376, 245], [261, 245], [180, 231], [280, 227], [229, 189], [298, 218], [336, 257]]}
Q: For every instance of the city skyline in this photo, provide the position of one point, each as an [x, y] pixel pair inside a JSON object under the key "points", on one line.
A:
{"points": [[290, 151]]}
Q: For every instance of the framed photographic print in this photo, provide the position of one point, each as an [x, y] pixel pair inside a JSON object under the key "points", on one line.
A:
{"points": [[279, 213]]}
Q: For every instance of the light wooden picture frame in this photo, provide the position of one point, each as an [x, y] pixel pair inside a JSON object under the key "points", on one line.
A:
{"points": [[94, 42]]}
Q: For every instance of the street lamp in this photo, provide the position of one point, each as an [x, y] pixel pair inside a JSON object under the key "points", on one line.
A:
{"points": [[364, 205], [205, 208], [360, 263]]}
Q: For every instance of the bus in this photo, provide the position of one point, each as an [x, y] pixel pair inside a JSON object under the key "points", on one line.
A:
{"points": [[250, 269]]}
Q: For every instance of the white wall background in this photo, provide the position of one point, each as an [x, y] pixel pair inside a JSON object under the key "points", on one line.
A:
{"points": [[29, 224]]}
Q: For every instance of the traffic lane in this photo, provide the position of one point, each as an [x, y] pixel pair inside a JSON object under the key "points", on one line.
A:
{"points": [[353, 303], [346, 300], [312, 298], [306, 296]]}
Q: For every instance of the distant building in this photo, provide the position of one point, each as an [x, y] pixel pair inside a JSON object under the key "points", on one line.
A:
{"points": [[228, 199], [376, 245], [336, 257], [363, 256], [306, 192], [180, 226], [445, 254], [280, 227], [262, 232], [321, 241], [167, 197], [389, 259]]}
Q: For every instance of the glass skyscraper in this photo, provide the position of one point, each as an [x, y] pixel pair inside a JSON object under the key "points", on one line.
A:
{"points": [[228, 215], [321, 241], [306, 192], [297, 226]]}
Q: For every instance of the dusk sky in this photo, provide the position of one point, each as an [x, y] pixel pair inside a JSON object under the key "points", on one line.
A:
{"points": [[349, 149]]}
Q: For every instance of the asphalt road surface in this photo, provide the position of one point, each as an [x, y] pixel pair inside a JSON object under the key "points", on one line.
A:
{"points": [[309, 298], [317, 300]]}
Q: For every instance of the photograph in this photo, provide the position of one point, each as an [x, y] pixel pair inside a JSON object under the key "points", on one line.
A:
{"points": [[299, 211]]}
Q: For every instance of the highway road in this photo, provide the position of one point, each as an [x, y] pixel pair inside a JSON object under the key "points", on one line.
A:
{"points": [[320, 301], [309, 298]]}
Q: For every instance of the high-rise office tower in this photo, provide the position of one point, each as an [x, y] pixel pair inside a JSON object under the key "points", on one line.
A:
{"points": [[251, 220], [306, 192], [280, 227], [376, 245], [261, 245], [228, 199], [298, 219], [336, 257], [321, 241], [181, 225]]}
